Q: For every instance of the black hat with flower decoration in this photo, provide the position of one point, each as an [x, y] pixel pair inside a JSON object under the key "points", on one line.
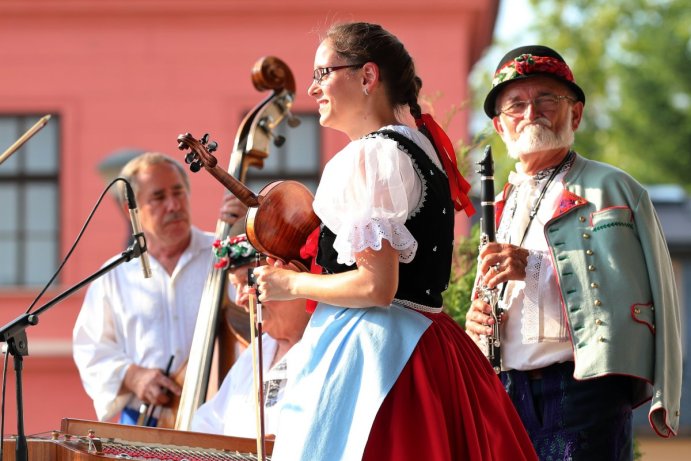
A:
{"points": [[233, 252], [529, 61]]}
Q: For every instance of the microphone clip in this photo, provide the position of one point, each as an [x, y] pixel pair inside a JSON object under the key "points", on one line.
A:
{"points": [[137, 248]]}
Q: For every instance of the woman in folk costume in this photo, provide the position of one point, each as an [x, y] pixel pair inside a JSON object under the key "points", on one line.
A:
{"points": [[381, 372]]}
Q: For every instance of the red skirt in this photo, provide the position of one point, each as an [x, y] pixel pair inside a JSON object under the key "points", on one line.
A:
{"points": [[447, 404]]}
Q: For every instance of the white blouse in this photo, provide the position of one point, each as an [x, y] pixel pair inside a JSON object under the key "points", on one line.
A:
{"points": [[367, 192]]}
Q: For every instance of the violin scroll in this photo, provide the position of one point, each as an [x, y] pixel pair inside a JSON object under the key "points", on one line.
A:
{"points": [[200, 151], [200, 156]]}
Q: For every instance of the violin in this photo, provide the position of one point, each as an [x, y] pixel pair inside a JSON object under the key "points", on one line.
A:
{"points": [[251, 147], [279, 218]]}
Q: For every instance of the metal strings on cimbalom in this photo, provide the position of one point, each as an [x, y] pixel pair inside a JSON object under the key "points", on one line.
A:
{"points": [[222, 329]]}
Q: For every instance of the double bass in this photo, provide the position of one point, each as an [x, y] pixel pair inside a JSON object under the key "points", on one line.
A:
{"points": [[250, 149]]}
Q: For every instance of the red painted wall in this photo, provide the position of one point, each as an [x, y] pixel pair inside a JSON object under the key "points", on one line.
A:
{"points": [[136, 73]]}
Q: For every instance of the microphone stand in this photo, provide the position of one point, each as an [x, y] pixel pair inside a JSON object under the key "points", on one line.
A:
{"points": [[14, 334]]}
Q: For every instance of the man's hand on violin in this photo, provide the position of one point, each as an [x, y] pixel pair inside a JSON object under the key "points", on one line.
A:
{"points": [[501, 262], [150, 385], [232, 209]]}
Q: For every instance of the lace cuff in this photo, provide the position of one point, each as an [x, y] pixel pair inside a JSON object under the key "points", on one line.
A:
{"points": [[370, 235]]}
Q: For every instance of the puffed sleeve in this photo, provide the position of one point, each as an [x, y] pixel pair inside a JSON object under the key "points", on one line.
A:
{"points": [[366, 193]]}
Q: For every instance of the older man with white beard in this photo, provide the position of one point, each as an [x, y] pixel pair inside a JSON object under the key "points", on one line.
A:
{"points": [[591, 325]]}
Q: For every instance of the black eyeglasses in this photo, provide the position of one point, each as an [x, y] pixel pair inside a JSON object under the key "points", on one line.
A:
{"points": [[321, 72], [545, 103]]}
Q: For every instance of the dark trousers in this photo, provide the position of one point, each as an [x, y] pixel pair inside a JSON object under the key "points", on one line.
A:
{"points": [[570, 420]]}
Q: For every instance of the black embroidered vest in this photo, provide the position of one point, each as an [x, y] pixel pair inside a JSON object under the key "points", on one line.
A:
{"points": [[424, 279]]}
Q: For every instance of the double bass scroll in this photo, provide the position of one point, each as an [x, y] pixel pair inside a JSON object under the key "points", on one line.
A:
{"points": [[251, 147]]}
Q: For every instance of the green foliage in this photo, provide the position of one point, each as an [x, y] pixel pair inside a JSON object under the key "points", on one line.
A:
{"points": [[457, 296], [632, 58]]}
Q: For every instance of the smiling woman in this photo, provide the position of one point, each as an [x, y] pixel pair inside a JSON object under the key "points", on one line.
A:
{"points": [[379, 352]]}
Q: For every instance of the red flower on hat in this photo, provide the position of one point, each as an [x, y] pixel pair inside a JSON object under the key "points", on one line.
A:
{"points": [[527, 64]]}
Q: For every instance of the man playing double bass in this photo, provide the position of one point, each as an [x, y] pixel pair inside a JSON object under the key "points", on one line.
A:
{"points": [[129, 326]]}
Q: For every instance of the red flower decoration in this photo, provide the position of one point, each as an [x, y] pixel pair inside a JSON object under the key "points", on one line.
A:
{"points": [[527, 64]]}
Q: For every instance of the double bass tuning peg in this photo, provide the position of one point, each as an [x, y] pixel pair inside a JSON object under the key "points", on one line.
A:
{"points": [[278, 140], [293, 121]]}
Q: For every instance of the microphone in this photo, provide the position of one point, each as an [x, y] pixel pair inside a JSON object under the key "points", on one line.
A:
{"points": [[137, 234]]}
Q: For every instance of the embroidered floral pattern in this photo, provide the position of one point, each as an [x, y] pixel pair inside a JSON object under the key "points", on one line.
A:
{"points": [[232, 252], [526, 64]]}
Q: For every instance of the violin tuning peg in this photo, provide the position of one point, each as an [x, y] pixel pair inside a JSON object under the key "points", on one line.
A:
{"points": [[204, 138], [195, 166], [189, 158], [213, 145]]}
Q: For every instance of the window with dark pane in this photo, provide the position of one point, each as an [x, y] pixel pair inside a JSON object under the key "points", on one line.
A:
{"points": [[29, 202], [297, 158]]}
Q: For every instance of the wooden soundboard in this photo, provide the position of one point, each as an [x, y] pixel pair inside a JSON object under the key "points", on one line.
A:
{"points": [[83, 440]]}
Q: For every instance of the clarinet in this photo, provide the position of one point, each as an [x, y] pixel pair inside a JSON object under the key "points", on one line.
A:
{"points": [[487, 235]]}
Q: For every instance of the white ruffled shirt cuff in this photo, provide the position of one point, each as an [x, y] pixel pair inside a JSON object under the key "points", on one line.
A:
{"points": [[370, 235]]}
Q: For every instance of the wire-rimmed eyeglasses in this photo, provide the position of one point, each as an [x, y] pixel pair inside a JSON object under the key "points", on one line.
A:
{"points": [[544, 103], [321, 72]]}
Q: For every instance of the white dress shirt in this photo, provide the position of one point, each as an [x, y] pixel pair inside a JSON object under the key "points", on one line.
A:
{"points": [[534, 331], [128, 319], [232, 411]]}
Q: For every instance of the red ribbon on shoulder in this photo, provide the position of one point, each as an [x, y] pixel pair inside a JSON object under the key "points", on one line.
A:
{"points": [[309, 250], [457, 183]]}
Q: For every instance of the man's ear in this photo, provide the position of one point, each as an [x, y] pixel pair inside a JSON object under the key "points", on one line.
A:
{"points": [[498, 127], [576, 114]]}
